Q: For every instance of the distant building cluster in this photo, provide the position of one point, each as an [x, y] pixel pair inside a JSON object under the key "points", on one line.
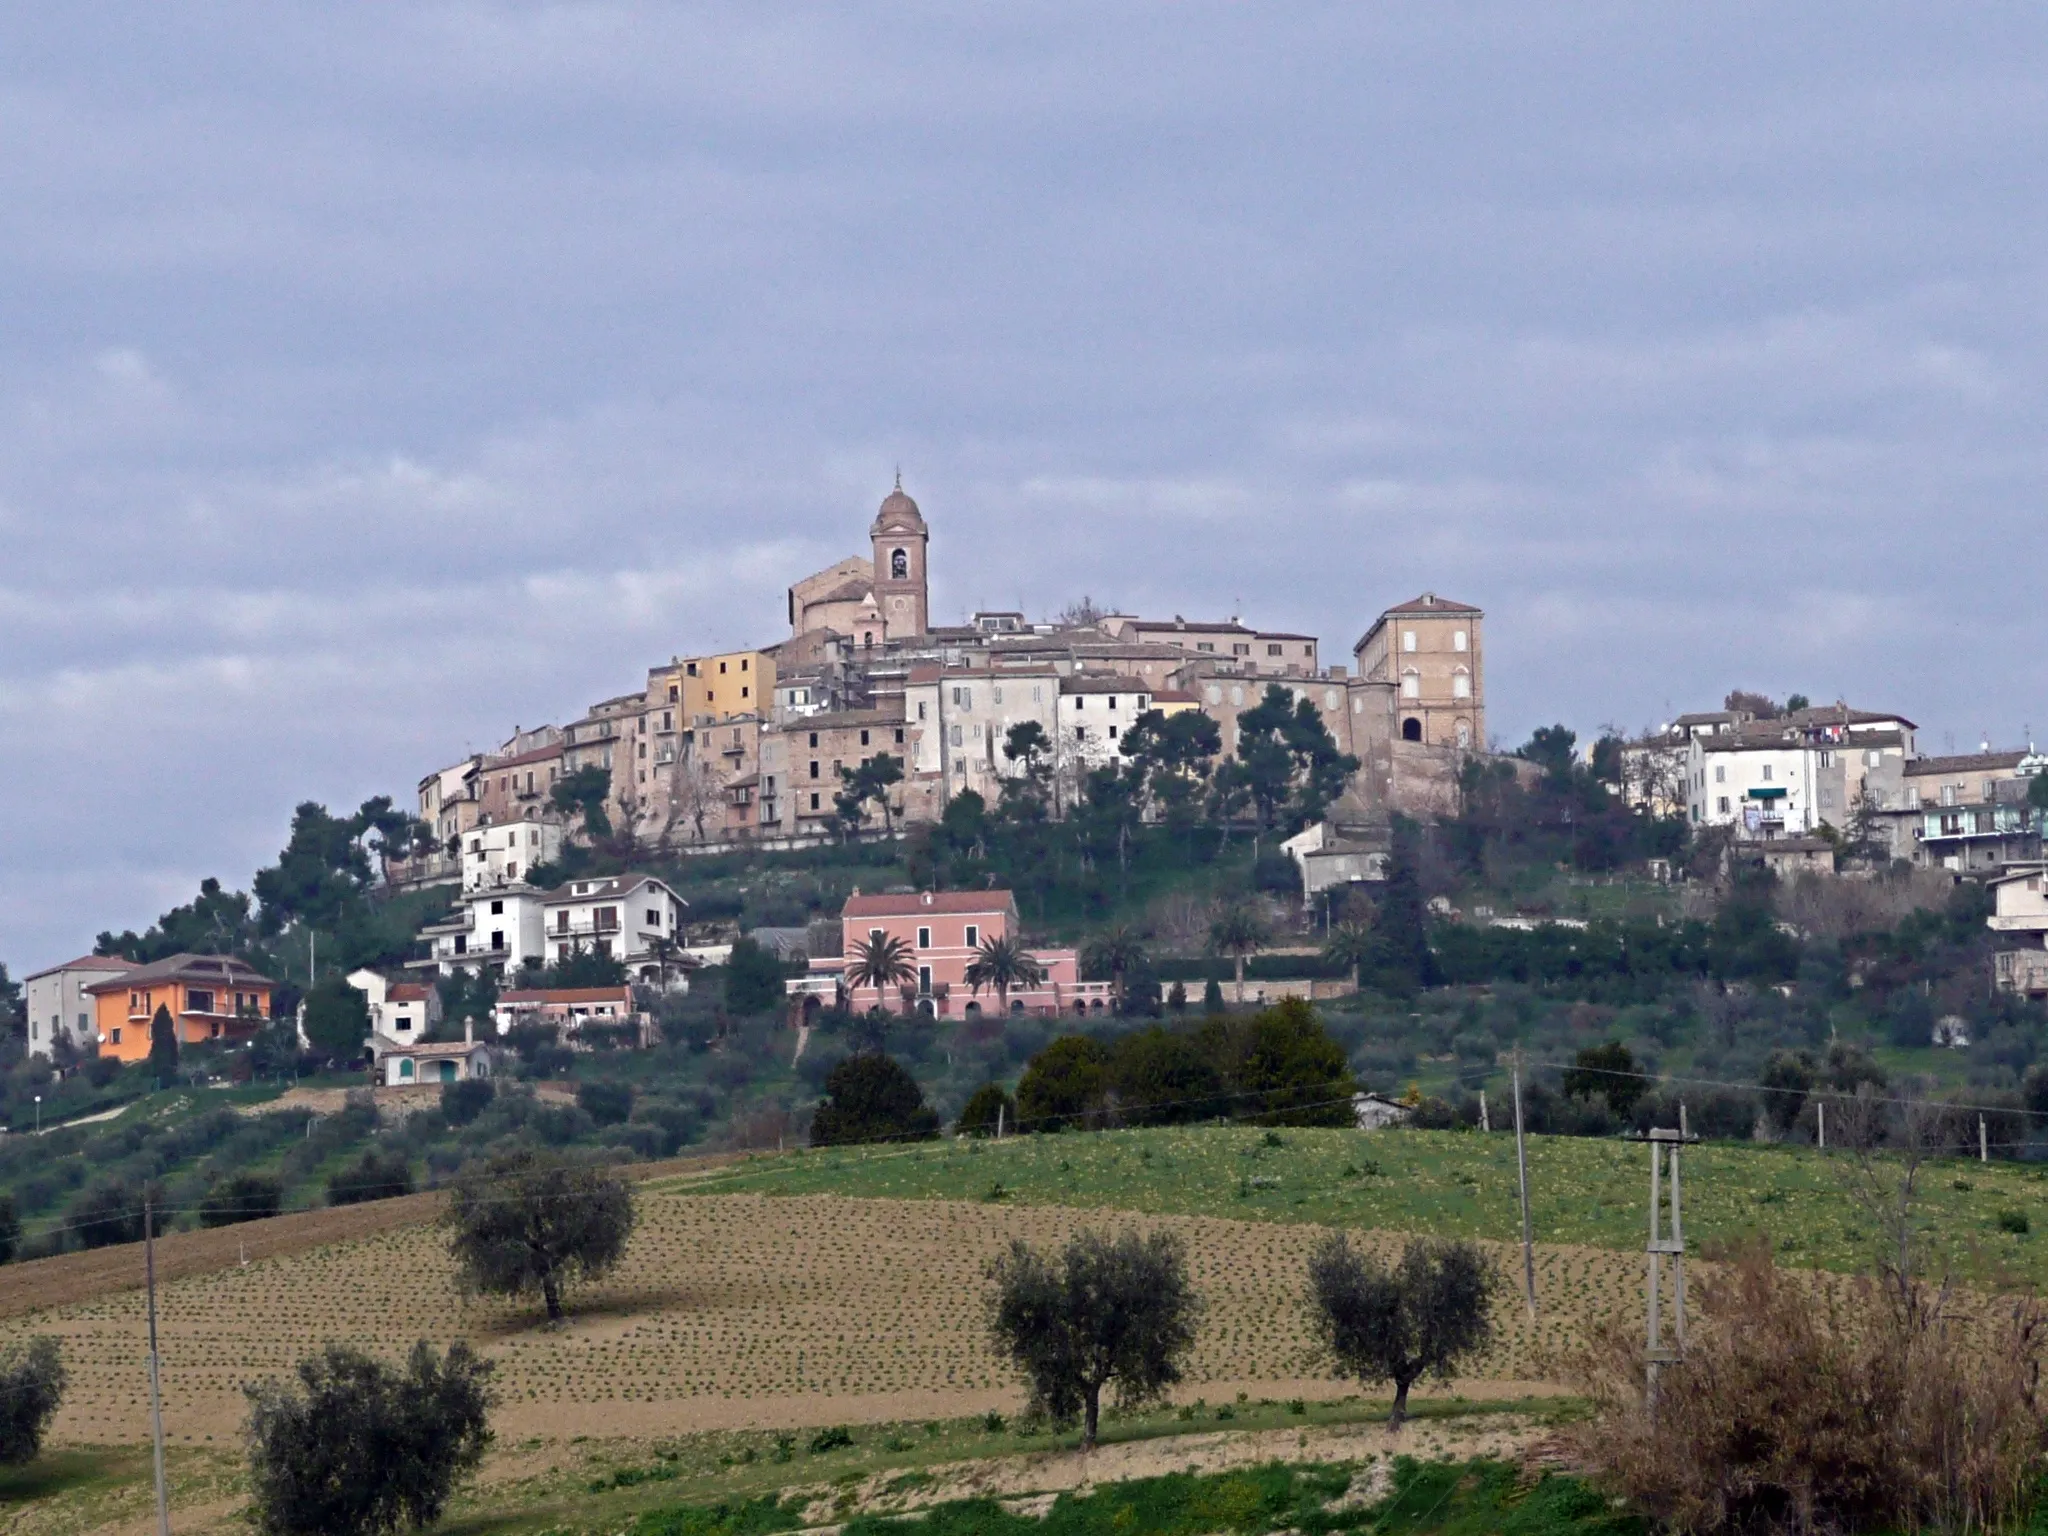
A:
{"points": [[747, 748]]}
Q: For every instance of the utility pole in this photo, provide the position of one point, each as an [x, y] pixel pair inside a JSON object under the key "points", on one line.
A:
{"points": [[1821, 1109], [1522, 1175], [1484, 1123], [1983, 1142], [156, 1402], [1664, 1145], [1000, 1111]]}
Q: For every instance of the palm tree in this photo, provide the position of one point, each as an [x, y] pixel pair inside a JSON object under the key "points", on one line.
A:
{"points": [[1113, 957], [1003, 963], [880, 961], [1238, 931], [1350, 944]]}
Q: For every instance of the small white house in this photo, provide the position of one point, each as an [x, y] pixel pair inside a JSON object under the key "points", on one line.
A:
{"points": [[495, 928], [451, 1061], [399, 1010], [1377, 1112]]}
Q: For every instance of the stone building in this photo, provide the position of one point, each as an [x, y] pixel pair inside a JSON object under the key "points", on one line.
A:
{"points": [[875, 600], [1432, 650]]}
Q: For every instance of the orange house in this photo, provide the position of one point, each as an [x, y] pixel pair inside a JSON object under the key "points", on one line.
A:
{"points": [[210, 997]]}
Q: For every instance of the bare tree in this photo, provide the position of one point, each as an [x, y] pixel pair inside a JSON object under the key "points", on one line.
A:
{"points": [[1886, 1145], [695, 793]]}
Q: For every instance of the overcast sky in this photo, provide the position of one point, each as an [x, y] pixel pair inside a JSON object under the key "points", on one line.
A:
{"points": [[376, 378]]}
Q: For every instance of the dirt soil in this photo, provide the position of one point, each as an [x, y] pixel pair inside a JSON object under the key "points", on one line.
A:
{"points": [[73, 1278], [728, 1312]]}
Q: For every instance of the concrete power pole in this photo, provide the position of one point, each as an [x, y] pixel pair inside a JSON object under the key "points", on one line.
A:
{"points": [[1664, 1145]]}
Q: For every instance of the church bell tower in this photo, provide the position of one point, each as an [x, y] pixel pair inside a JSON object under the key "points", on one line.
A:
{"points": [[902, 592]]}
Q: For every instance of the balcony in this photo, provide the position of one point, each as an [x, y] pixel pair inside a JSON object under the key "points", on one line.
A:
{"points": [[2022, 971]]}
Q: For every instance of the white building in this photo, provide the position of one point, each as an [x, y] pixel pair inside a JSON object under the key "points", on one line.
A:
{"points": [[623, 916], [500, 929], [408, 1065], [957, 720], [58, 1007], [403, 1011], [1766, 782], [1095, 714], [500, 856], [2022, 910]]}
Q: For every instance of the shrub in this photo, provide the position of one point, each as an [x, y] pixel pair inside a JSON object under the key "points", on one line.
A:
{"points": [[102, 1070], [606, 1103], [1063, 1085], [987, 1108], [1163, 1078], [356, 1448], [373, 1176], [2014, 1222], [830, 1440], [240, 1197], [31, 1388], [526, 1222], [872, 1098], [753, 978], [462, 1102], [107, 1214], [1807, 1404]]}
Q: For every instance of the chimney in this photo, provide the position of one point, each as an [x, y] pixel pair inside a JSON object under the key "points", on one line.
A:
{"points": [[469, 1031]]}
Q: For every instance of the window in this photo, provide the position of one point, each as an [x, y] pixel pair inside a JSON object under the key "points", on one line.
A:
{"points": [[999, 693], [745, 692], [899, 564], [1990, 790], [721, 669], [1204, 645], [654, 917], [814, 802], [956, 735], [899, 735], [973, 936], [116, 1033], [1767, 773], [814, 765], [924, 980], [606, 919], [1240, 648], [1407, 639], [497, 909], [1721, 806], [1273, 649], [1411, 684], [814, 738], [1461, 684], [920, 709], [1873, 759], [1827, 759], [562, 921], [1720, 773], [924, 938], [1112, 733], [1037, 694], [691, 668], [863, 738], [1458, 640], [743, 663], [197, 1001], [497, 938]]}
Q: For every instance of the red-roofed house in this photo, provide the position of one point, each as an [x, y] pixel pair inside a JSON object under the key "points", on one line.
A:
{"points": [[399, 1010], [943, 931]]}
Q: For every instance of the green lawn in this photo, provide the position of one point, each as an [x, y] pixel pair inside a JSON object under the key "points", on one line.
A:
{"points": [[1450, 1182]]}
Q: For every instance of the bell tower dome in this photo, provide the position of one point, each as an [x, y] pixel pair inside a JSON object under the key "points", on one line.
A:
{"points": [[902, 592]]}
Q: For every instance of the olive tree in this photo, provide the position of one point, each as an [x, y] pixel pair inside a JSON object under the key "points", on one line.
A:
{"points": [[1401, 1322], [356, 1448], [31, 1387], [1102, 1310], [527, 1222]]}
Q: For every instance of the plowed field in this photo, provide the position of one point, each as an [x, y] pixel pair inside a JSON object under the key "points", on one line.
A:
{"points": [[732, 1311]]}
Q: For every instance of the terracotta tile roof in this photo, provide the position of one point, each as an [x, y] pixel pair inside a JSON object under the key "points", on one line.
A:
{"points": [[1974, 762], [568, 995], [1428, 603], [952, 902], [219, 970]]}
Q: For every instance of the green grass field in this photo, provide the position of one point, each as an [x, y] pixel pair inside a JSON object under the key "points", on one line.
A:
{"points": [[1449, 1182]]}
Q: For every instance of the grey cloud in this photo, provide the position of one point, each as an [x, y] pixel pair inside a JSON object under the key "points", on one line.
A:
{"points": [[371, 380]]}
